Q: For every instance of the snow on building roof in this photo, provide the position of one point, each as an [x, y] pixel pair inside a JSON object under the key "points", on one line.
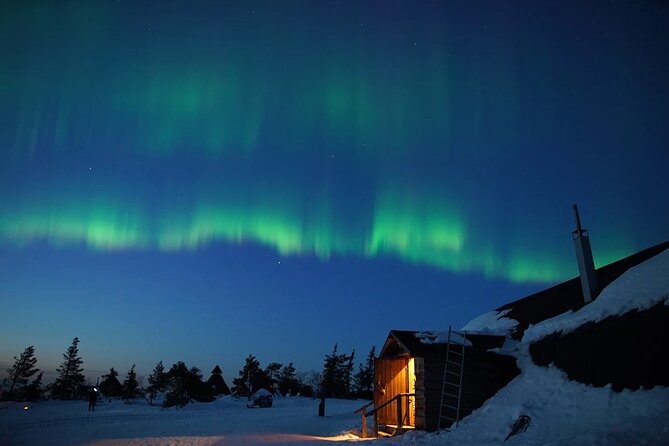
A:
{"points": [[493, 322], [639, 288], [441, 337], [568, 296]]}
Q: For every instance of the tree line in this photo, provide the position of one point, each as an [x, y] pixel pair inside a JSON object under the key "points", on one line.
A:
{"points": [[180, 384]]}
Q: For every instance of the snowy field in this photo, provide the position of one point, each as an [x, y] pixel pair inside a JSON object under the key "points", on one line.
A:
{"points": [[562, 413], [223, 422]]}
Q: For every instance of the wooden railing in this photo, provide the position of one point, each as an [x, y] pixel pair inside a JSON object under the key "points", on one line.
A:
{"points": [[397, 399]]}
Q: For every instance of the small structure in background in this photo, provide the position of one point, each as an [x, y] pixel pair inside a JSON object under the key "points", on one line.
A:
{"points": [[217, 383], [111, 387], [262, 398]]}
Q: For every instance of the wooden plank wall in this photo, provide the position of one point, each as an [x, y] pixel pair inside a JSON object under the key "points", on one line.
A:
{"points": [[420, 418], [391, 373]]}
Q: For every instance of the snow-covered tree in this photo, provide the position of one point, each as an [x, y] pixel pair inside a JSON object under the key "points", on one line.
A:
{"points": [[70, 374]]}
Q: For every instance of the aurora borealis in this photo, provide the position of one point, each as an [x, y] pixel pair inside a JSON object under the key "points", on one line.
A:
{"points": [[381, 143]]}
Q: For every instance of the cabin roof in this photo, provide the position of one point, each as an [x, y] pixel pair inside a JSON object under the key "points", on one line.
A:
{"points": [[405, 343], [569, 295], [217, 370]]}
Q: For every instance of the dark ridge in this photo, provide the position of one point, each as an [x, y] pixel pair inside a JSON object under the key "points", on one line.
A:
{"points": [[569, 295], [628, 351]]}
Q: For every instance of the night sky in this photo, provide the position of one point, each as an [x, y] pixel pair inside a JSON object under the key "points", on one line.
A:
{"points": [[199, 181]]}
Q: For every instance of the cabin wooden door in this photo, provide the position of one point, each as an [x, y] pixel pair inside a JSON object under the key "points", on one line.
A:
{"points": [[391, 377]]}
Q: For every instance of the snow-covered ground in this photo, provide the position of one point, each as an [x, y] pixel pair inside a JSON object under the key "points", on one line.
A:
{"points": [[226, 421], [562, 412]]}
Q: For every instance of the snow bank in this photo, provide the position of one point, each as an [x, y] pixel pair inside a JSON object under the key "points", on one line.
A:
{"points": [[562, 412], [639, 288]]}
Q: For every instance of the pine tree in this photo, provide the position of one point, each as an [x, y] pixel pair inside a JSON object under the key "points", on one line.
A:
{"points": [[364, 379], [347, 373], [177, 395], [330, 367], [158, 381], [287, 380], [19, 373], [186, 384], [251, 377], [34, 390], [112, 374], [70, 374], [130, 385], [272, 373], [337, 374]]}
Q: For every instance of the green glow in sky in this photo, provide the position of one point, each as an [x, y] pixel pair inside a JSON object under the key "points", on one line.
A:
{"points": [[414, 141], [413, 230]]}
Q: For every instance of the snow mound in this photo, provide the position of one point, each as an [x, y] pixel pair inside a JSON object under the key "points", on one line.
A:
{"points": [[262, 392], [562, 412], [639, 288]]}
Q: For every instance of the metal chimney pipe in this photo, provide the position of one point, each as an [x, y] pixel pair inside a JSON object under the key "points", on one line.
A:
{"points": [[578, 220], [586, 265]]}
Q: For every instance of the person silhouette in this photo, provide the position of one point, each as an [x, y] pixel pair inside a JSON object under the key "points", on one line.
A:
{"points": [[92, 398]]}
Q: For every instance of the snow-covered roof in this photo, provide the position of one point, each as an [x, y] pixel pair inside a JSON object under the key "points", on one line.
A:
{"points": [[493, 322], [442, 337], [639, 288], [517, 316]]}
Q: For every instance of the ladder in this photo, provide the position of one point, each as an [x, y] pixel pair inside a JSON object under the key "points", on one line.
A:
{"points": [[451, 391]]}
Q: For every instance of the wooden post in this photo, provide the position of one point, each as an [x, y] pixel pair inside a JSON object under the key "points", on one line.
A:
{"points": [[399, 413], [364, 422]]}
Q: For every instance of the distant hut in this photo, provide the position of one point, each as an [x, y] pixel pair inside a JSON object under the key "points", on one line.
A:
{"points": [[217, 383], [111, 387]]}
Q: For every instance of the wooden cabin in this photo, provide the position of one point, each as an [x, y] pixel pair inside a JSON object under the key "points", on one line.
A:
{"points": [[410, 367], [410, 371]]}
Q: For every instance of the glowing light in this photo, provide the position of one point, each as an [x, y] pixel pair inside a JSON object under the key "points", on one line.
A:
{"points": [[409, 226], [347, 146]]}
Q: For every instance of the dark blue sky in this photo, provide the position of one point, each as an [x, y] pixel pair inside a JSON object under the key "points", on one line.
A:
{"points": [[201, 181]]}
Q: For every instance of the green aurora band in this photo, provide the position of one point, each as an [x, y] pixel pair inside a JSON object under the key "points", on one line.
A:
{"points": [[404, 226], [360, 113]]}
